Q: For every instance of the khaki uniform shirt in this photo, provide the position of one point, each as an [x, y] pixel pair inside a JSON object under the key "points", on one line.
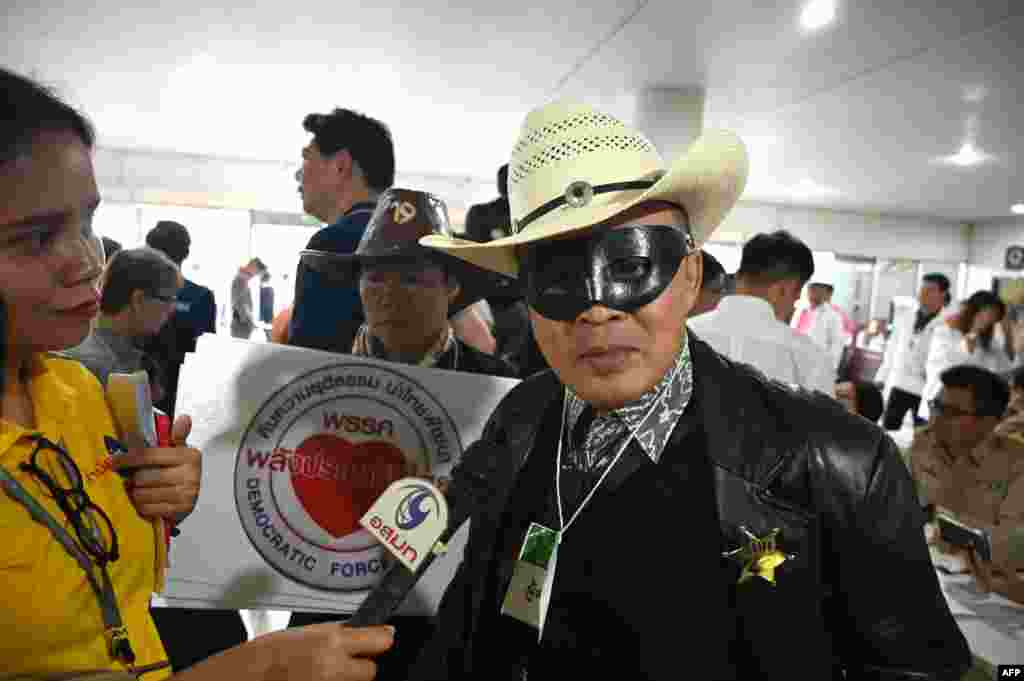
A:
{"points": [[984, 487]]}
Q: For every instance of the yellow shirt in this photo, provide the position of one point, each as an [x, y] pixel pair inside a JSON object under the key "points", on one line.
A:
{"points": [[50, 617]]}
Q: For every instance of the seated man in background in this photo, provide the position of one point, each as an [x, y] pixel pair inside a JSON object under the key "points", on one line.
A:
{"points": [[861, 397], [139, 292], [712, 288], [409, 294], [967, 463]]}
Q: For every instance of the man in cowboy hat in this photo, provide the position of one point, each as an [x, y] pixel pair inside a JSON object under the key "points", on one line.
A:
{"points": [[652, 509], [409, 293]]}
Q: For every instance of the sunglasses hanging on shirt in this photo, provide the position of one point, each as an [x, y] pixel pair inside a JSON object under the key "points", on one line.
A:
{"points": [[623, 269]]}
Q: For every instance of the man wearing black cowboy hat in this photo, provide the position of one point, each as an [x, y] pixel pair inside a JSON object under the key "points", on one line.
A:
{"points": [[650, 509], [409, 293]]}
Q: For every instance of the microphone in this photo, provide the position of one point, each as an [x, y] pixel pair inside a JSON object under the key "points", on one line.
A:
{"points": [[467, 491]]}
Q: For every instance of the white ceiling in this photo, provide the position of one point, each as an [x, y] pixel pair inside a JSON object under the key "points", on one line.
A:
{"points": [[850, 117]]}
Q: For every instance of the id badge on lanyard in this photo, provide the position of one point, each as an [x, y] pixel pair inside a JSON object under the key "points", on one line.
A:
{"points": [[529, 592]]}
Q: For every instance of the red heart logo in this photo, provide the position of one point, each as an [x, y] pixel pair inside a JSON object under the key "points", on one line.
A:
{"points": [[337, 481]]}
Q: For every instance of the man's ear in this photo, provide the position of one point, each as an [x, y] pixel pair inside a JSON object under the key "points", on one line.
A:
{"points": [[792, 288], [342, 161], [454, 289], [693, 270], [137, 297]]}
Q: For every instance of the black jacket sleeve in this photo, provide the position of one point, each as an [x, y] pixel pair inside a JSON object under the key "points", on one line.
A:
{"points": [[899, 625], [445, 655]]}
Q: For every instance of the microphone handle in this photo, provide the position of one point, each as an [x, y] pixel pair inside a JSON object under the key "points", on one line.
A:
{"points": [[381, 603]]}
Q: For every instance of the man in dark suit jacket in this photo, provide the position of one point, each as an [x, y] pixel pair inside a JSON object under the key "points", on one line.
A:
{"points": [[195, 314], [347, 164]]}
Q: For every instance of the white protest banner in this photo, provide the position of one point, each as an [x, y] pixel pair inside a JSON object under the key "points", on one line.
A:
{"points": [[297, 445]]}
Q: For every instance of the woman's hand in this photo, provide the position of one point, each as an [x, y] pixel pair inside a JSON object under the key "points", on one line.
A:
{"points": [[319, 652], [165, 480], [328, 652]]}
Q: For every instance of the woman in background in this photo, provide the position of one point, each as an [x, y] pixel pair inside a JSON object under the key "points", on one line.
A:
{"points": [[968, 337]]}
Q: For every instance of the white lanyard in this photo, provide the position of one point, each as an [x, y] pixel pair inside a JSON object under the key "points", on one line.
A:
{"points": [[563, 526]]}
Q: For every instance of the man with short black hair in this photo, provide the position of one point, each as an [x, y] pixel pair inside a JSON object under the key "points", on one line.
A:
{"points": [[712, 287], [345, 167], [195, 312], [906, 352], [752, 326], [139, 290], [967, 463]]}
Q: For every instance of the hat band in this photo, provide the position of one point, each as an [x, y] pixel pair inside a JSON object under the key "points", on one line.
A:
{"points": [[578, 195]]}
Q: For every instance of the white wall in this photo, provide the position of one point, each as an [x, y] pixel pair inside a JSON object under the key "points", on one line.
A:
{"points": [[990, 240], [845, 233], [131, 176]]}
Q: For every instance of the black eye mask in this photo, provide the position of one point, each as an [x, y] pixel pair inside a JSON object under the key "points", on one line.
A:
{"points": [[623, 269]]}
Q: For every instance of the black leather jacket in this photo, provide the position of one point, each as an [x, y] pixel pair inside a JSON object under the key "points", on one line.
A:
{"points": [[859, 599]]}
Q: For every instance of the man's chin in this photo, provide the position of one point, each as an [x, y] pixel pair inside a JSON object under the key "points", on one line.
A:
{"points": [[610, 391]]}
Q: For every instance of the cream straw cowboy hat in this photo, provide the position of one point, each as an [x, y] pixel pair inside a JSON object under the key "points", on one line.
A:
{"points": [[574, 167]]}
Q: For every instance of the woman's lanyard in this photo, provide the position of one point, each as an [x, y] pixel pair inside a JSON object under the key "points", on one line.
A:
{"points": [[114, 628]]}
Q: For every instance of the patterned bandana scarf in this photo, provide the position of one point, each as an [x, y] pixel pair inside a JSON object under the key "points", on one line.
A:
{"points": [[666, 402], [367, 345]]}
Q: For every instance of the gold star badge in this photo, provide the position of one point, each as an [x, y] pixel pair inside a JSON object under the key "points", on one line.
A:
{"points": [[760, 557]]}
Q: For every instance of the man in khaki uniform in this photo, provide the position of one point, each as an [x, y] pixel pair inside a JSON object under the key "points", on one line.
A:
{"points": [[968, 462]]}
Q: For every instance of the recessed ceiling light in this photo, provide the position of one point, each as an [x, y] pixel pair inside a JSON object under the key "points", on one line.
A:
{"points": [[818, 13], [969, 155], [1017, 209], [808, 188], [974, 94]]}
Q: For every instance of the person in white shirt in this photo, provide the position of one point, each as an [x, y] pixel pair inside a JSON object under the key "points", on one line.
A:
{"points": [[968, 337], [752, 326], [826, 327], [903, 365]]}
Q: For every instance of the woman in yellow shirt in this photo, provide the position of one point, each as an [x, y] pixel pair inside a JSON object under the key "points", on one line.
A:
{"points": [[80, 553]]}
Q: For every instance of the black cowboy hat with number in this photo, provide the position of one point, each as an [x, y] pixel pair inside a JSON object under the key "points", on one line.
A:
{"points": [[401, 218]]}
